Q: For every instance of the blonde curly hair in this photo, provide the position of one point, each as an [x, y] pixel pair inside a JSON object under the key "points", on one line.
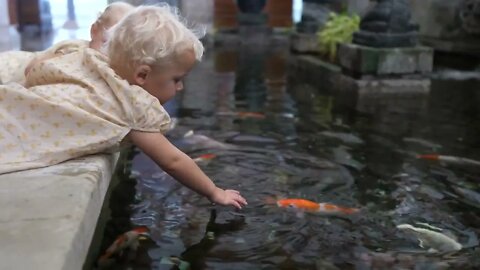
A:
{"points": [[152, 35]]}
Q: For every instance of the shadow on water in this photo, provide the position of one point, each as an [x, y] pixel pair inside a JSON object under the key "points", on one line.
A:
{"points": [[303, 144]]}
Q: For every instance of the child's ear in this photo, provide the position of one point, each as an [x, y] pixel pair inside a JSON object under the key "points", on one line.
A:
{"points": [[141, 74], [93, 30]]}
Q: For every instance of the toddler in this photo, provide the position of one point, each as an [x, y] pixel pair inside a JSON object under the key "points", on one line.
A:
{"points": [[16, 64], [86, 102]]}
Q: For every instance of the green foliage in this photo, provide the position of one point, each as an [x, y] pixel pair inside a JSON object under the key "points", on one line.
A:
{"points": [[338, 29]]}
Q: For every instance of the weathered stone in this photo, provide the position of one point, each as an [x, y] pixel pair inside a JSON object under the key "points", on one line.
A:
{"points": [[384, 61], [51, 213], [470, 16], [387, 25], [358, 6], [304, 43], [367, 94], [314, 71], [451, 33]]}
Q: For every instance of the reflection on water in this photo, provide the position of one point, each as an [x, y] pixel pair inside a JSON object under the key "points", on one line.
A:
{"points": [[306, 147]]}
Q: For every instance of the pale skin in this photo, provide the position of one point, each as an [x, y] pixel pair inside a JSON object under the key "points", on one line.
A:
{"points": [[163, 84]]}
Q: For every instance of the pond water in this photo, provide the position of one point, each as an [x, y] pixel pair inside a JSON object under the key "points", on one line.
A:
{"points": [[305, 144]]}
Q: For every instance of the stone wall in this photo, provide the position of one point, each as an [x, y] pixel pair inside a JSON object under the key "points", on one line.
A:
{"points": [[448, 25]]}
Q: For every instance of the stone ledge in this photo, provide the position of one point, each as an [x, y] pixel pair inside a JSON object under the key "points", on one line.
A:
{"points": [[49, 215], [304, 43], [385, 61]]}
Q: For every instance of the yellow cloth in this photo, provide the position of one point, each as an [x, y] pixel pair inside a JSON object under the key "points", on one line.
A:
{"points": [[13, 63], [72, 105]]}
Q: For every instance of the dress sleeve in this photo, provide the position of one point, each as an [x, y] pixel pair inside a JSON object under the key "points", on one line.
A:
{"points": [[149, 115], [138, 109]]}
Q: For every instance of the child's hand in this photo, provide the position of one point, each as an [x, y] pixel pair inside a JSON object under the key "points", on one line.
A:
{"points": [[228, 197]]}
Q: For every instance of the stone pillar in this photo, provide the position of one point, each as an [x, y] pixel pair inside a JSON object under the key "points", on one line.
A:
{"points": [[384, 66], [386, 44], [9, 38], [387, 25]]}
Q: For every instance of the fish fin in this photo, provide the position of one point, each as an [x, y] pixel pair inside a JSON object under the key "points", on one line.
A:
{"points": [[426, 225], [270, 200], [300, 214], [188, 133], [141, 230], [349, 211], [428, 156], [420, 243]]}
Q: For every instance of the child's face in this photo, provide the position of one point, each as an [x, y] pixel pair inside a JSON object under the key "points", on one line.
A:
{"points": [[164, 84]]}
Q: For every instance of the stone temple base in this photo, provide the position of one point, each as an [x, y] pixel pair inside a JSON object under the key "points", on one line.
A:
{"points": [[374, 96], [364, 95], [360, 60], [304, 43]]}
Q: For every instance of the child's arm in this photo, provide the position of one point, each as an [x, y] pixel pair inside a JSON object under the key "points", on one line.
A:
{"points": [[183, 168]]}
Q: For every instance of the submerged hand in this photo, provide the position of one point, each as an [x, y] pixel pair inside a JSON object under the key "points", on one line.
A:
{"points": [[228, 197]]}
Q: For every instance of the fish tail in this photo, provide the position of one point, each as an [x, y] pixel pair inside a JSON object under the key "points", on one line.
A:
{"points": [[429, 157], [104, 257], [141, 230], [207, 156], [348, 211], [332, 208], [270, 200]]}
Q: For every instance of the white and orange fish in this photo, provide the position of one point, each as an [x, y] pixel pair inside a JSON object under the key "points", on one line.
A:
{"points": [[255, 115], [204, 157], [309, 206], [127, 240], [244, 114], [450, 159]]}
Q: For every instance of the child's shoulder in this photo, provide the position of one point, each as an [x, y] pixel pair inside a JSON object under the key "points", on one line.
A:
{"points": [[68, 46]]}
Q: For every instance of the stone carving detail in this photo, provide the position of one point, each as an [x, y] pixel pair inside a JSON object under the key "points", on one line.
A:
{"points": [[388, 24], [470, 16]]}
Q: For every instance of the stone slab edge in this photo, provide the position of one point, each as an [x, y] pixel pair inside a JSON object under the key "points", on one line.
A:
{"points": [[49, 215]]}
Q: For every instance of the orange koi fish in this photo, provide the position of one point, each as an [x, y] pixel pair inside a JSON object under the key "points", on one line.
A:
{"points": [[310, 206], [450, 159], [204, 157], [128, 240], [256, 115]]}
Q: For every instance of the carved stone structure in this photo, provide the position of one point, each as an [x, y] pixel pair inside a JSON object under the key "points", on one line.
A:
{"points": [[386, 44], [387, 25], [470, 16], [451, 27]]}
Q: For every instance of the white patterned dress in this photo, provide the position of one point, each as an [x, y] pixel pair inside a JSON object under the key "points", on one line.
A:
{"points": [[71, 105], [13, 63]]}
